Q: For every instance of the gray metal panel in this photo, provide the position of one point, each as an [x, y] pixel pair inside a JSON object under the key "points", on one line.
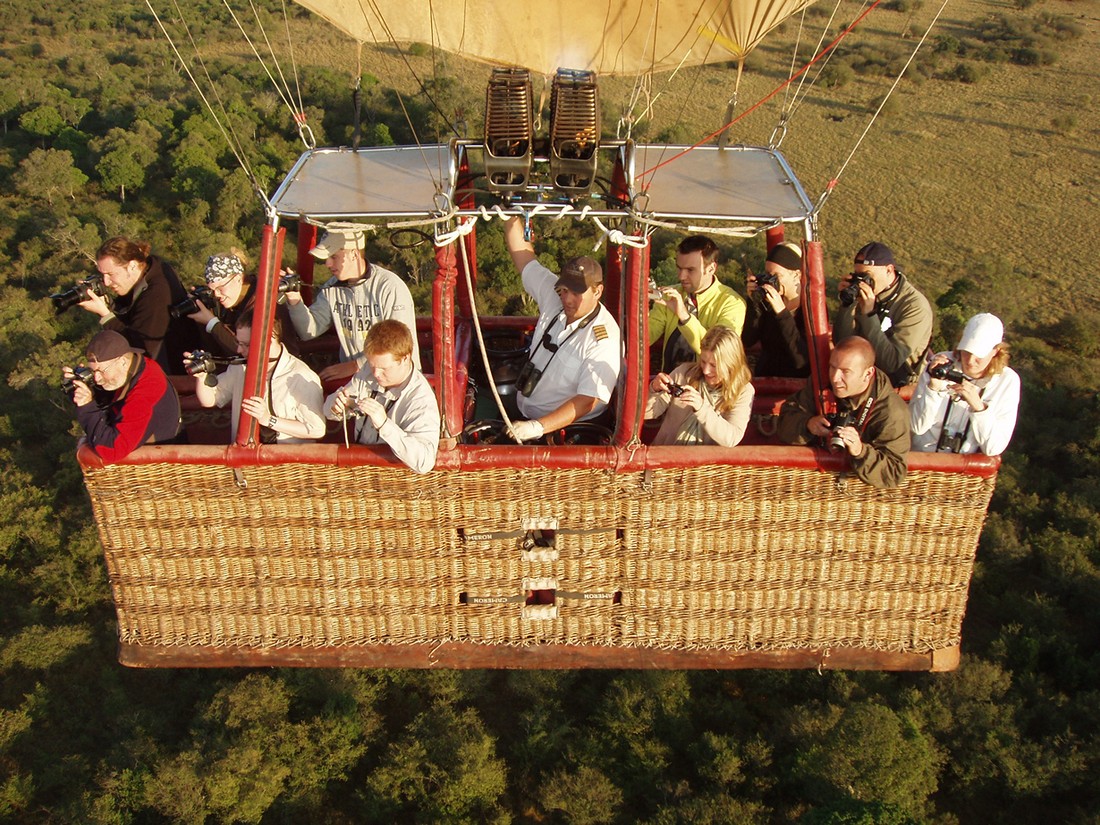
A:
{"points": [[383, 181], [736, 184], [741, 183]]}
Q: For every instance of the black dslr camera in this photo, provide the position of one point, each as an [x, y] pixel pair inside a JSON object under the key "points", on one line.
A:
{"points": [[75, 294], [82, 374], [190, 304], [675, 390], [765, 279], [947, 372], [850, 294], [528, 378], [836, 421], [202, 362], [291, 282]]}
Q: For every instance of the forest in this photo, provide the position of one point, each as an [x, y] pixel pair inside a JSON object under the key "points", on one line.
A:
{"points": [[101, 133]]}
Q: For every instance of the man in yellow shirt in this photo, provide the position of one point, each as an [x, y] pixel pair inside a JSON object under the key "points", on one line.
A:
{"points": [[681, 317]]}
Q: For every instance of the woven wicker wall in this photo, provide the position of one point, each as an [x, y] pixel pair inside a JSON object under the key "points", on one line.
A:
{"points": [[705, 558]]}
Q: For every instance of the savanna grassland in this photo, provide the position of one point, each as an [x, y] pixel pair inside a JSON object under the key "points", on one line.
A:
{"points": [[982, 173]]}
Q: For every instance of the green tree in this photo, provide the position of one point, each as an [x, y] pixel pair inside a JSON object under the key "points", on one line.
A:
{"points": [[871, 754], [49, 173], [442, 768], [125, 155]]}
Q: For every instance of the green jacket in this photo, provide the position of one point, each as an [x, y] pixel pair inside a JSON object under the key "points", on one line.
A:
{"points": [[899, 329], [885, 431]]}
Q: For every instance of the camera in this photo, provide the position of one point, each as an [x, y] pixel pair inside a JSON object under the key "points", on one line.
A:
{"points": [[850, 294], [76, 294], [201, 362], [947, 372], [675, 390], [528, 378], [836, 421], [190, 304], [291, 282], [950, 442], [82, 374], [766, 279]]}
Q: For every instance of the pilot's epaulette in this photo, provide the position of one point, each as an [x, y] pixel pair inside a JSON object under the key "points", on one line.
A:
{"points": [[600, 331]]}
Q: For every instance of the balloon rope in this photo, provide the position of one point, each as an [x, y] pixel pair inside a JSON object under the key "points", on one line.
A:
{"points": [[767, 97], [836, 178], [226, 129]]}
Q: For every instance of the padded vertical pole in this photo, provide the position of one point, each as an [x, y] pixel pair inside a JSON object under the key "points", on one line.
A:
{"points": [[634, 323], [443, 339], [465, 200], [307, 239], [816, 313], [263, 314], [773, 236]]}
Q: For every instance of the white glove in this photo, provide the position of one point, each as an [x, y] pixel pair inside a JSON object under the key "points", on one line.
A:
{"points": [[527, 430]]}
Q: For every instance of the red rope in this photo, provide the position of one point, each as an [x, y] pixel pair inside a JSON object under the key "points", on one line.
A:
{"points": [[767, 97]]}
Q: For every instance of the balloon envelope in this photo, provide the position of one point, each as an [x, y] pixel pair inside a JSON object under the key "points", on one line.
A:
{"points": [[609, 37]]}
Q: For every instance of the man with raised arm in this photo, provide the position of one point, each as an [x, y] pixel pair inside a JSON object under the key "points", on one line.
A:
{"points": [[359, 295], [390, 400], [681, 317], [878, 303], [872, 424], [576, 353]]}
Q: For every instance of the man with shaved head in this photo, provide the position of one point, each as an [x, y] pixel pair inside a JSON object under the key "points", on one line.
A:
{"points": [[872, 424]]}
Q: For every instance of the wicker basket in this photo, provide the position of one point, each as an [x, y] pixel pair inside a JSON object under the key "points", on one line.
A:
{"points": [[330, 556]]}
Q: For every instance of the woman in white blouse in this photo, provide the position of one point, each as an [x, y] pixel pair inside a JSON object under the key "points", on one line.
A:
{"points": [[966, 400]]}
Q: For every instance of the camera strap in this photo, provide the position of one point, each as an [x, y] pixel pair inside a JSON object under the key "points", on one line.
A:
{"points": [[864, 412], [553, 348], [387, 401], [960, 437]]}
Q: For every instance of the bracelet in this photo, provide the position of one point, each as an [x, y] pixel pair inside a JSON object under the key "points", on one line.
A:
{"points": [[271, 422]]}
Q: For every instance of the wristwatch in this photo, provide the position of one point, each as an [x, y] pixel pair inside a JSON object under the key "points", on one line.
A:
{"points": [[271, 422]]}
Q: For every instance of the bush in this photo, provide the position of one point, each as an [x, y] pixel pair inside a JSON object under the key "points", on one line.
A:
{"points": [[946, 44], [890, 105], [836, 74], [967, 73]]}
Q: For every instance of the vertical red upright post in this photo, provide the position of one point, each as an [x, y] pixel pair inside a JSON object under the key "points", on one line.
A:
{"points": [[465, 190], [307, 239], [613, 281], [816, 312], [263, 314], [634, 324], [774, 236], [443, 339]]}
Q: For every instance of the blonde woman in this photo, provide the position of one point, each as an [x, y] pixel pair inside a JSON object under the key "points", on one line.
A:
{"points": [[708, 401]]}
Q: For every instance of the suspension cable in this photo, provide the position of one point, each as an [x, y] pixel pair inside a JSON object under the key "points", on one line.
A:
{"points": [[477, 329], [226, 130], [800, 95], [767, 97], [282, 90], [836, 178], [293, 61]]}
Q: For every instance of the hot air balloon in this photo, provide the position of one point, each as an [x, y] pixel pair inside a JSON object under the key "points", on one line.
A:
{"points": [[594, 548]]}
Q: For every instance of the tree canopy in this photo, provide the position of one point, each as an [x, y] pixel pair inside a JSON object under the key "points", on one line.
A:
{"points": [[100, 134]]}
